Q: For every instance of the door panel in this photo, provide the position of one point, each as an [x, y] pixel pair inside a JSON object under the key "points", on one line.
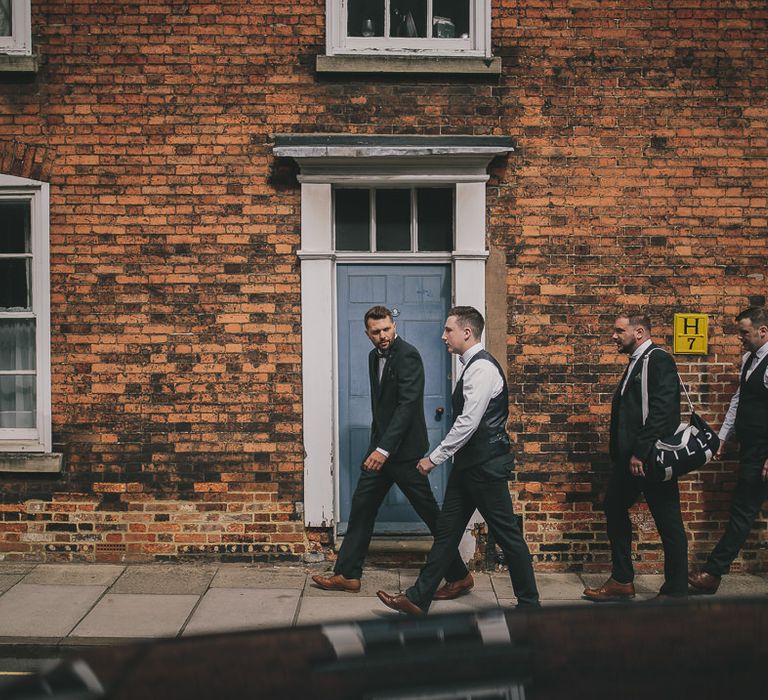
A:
{"points": [[419, 295]]}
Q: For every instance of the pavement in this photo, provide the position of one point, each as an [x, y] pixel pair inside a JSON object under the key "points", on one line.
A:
{"points": [[59, 606]]}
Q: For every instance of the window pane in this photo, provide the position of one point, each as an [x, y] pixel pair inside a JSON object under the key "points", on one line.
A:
{"points": [[365, 18], [353, 220], [408, 18], [14, 285], [14, 226], [450, 19], [17, 401], [393, 220], [6, 23], [435, 218], [17, 344]]}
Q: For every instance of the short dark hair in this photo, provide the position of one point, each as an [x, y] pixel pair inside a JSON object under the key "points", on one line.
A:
{"points": [[469, 317], [757, 314], [377, 313], [637, 318]]}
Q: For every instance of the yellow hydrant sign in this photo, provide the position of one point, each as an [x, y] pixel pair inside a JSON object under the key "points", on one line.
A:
{"points": [[691, 334]]}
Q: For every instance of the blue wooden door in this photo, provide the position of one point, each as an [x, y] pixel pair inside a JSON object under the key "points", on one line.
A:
{"points": [[419, 296]]}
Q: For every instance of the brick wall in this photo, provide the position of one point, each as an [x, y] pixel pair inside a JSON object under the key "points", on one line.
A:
{"points": [[639, 179]]}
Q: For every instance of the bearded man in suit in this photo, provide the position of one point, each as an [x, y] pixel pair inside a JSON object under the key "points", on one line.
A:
{"points": [[398, 440], [636, 424]]}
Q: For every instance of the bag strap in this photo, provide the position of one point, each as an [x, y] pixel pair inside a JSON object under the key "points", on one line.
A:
{"points": [[644, 385]]}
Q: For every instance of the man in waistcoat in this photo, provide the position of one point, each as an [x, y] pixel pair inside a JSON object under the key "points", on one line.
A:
{"points": [[398, 439], [482, 462], [747, 417]]}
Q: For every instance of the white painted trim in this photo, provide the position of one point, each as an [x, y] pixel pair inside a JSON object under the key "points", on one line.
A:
{"points": [[318, 292], [337, 41], [38, 194], [318, 295], [19, 42]]}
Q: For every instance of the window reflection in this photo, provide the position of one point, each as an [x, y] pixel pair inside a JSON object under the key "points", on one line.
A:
{"points": [[435, 218], [365, 18], [450, 19], [398, 226], [352, 218], [393, 220], [6, 18]]}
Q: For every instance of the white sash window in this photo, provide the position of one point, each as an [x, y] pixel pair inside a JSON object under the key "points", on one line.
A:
{"points": [[425, 27], [15, 27], [25, 392]]}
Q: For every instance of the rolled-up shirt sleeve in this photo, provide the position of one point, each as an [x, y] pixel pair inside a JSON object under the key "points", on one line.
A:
{"points": [[726, 429], [482, 382]]}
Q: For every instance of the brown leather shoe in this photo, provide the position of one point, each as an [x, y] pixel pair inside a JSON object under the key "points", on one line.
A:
{"points": [[453, 589], [705, 583], [401, 603], [337, 582], [610, 590]]}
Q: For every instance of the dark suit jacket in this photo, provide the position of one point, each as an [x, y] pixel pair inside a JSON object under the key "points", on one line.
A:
{"points": [[628, 434], [397, 403]]}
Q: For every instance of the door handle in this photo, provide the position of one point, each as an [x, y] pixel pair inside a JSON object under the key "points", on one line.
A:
{"points": [[439, 413]]}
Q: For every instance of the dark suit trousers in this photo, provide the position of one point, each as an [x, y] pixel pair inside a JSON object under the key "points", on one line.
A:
{"points": [[372, 488], [477, 488], [751, 491], [664, 503]]}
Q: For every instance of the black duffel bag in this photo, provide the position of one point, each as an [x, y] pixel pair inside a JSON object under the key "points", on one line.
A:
{"points": [[690, 448]]}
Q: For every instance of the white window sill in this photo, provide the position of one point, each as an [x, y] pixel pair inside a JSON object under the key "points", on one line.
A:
{"points": [[451, 65], [30, 462], [19, 64]]}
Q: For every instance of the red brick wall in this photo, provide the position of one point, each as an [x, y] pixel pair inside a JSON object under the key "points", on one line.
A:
{"points": [[640, 179]]}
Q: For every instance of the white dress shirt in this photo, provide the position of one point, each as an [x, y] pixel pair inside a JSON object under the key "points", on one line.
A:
{"points": [[729, 422], [482, 382], [633, 358]]}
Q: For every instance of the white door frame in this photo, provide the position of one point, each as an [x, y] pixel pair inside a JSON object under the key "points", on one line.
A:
{"points": [[321, 169]]}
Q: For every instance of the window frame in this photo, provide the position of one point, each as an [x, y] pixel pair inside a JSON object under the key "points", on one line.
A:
{"points": [[413, 193], [338, 43], [19, 42], [38, 439]]}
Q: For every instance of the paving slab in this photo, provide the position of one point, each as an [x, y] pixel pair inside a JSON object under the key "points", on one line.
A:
{"points": [[16, 567], [253, 576], [482, 579], [74, 574], [136, 615], [648, 583], [165, 579], [743, 585], [36, 610], [472, 601], [551, 586], [225, 609], [557, 586], [316, 610], [373, 580], [9, 580], [552, 602]]}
